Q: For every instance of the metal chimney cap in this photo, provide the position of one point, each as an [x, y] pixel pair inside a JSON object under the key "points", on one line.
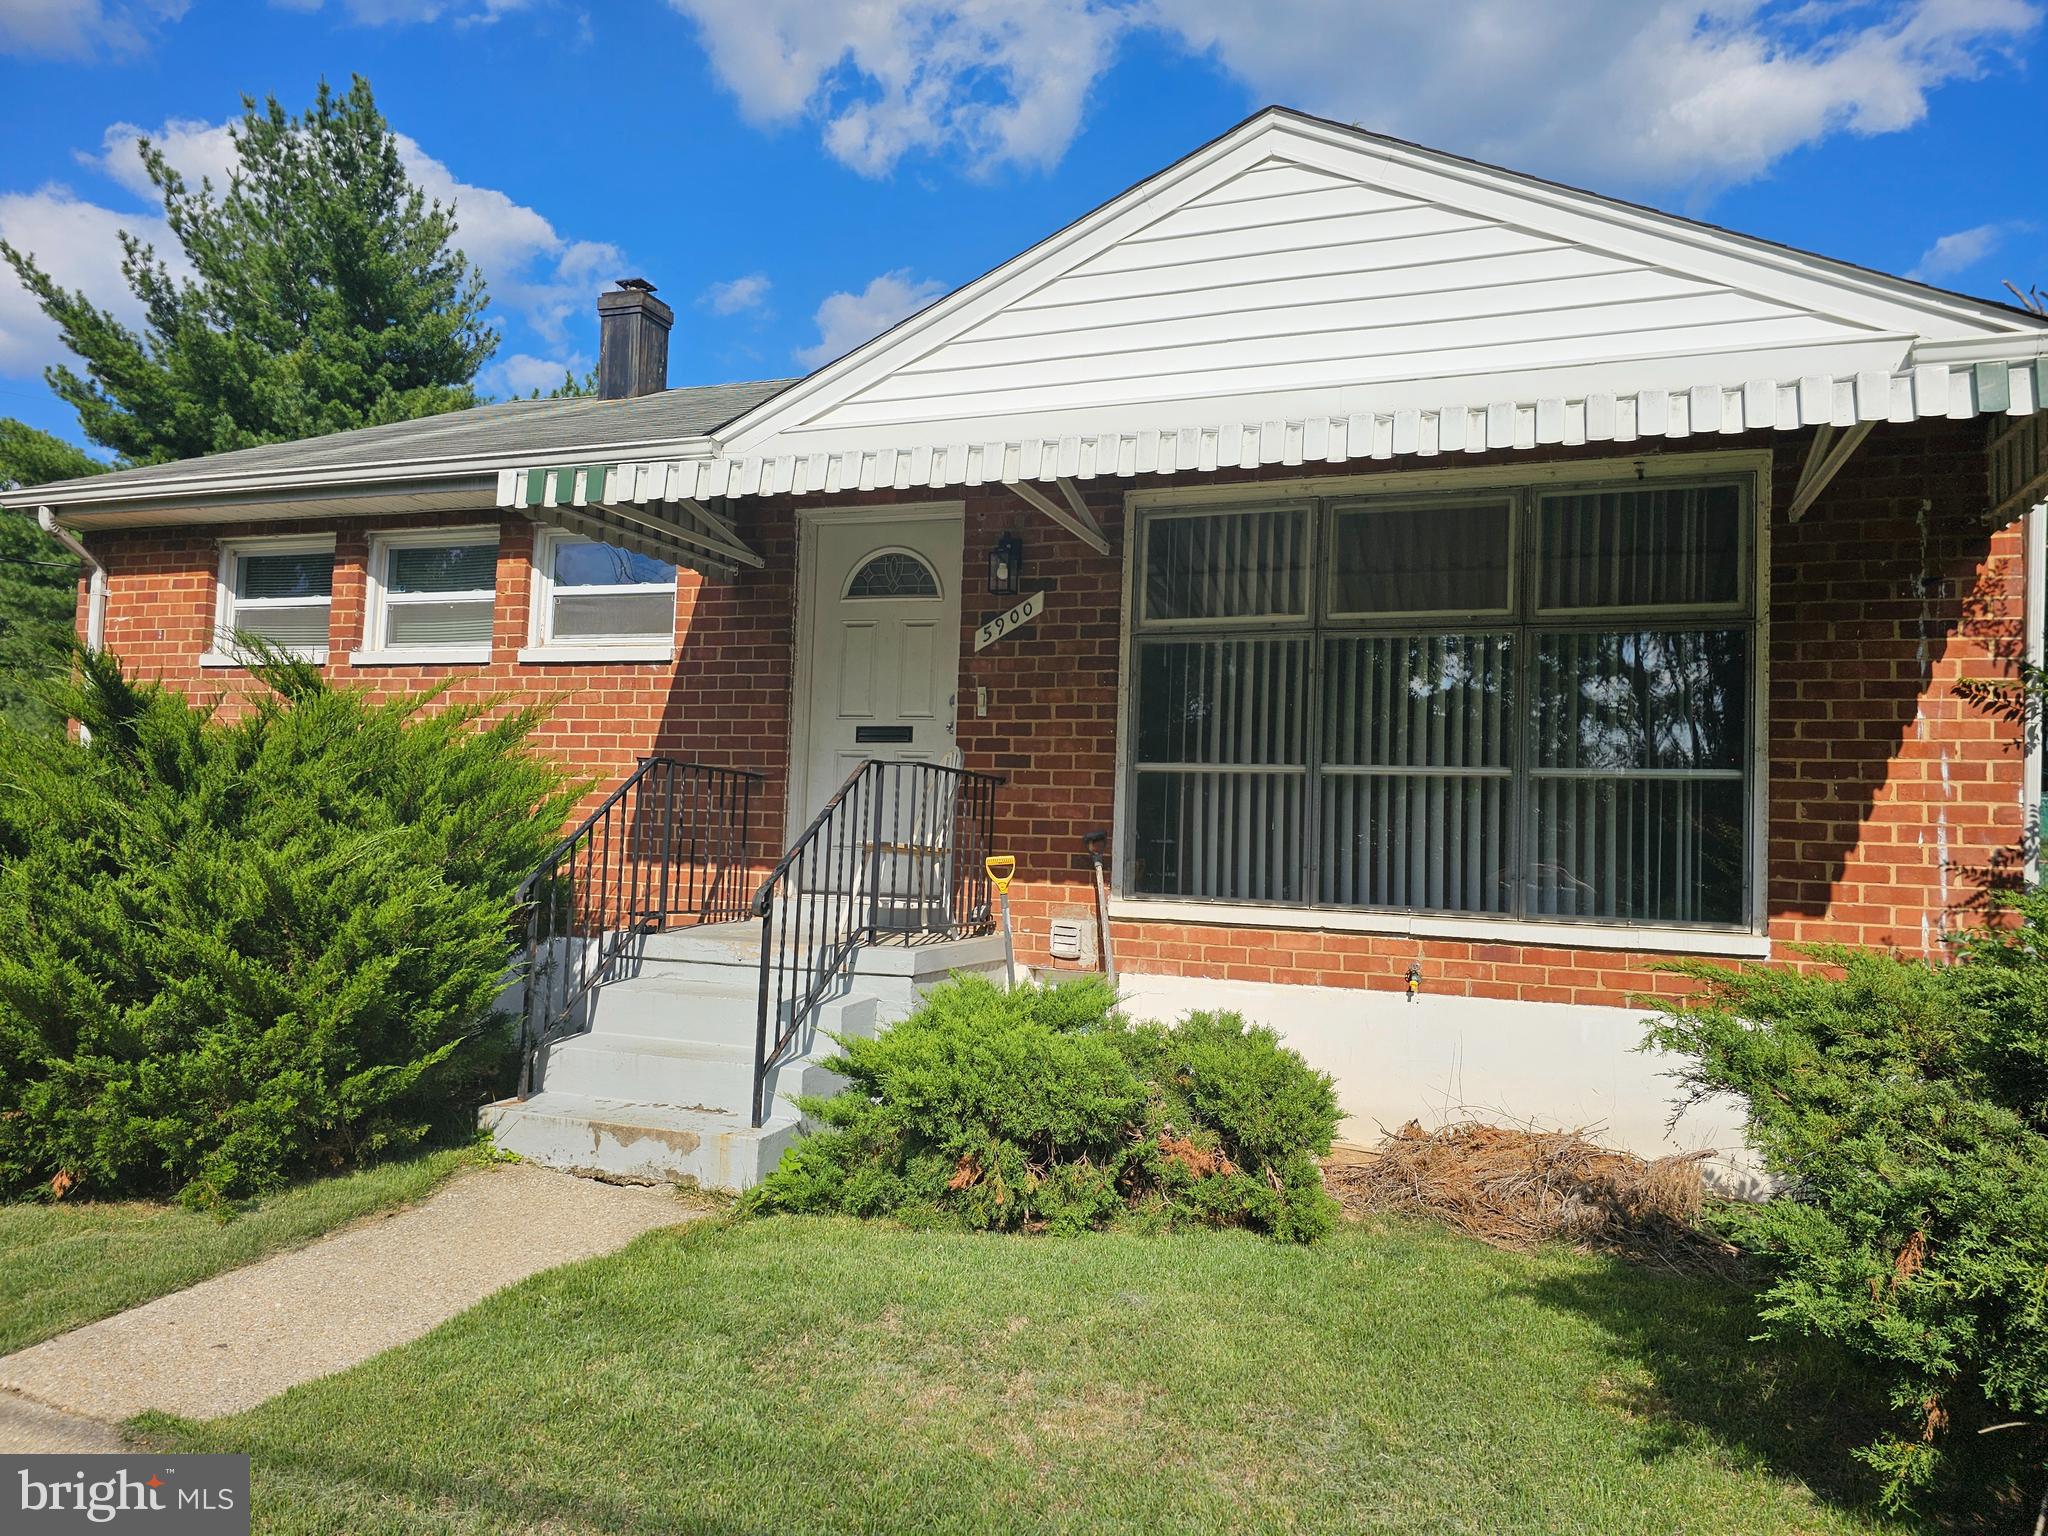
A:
{"points": [[639, 284]]}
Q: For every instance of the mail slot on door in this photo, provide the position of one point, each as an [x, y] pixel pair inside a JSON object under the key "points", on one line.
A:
{"points": [[864, 735]]}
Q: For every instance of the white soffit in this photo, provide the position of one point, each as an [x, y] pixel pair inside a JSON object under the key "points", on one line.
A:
{"points": [[1299, 292]]}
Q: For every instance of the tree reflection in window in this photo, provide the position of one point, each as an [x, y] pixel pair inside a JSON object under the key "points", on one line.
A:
{"points": [[894, 573]]}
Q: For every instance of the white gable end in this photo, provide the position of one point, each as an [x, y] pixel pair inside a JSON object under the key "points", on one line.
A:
{"points": [[1287, 278], [1296, 269], [1300, 292]]}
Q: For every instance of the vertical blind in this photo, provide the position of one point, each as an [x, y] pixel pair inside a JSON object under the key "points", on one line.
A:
{"points": [[1417, 757], [1224, 722], [1449, 725]]}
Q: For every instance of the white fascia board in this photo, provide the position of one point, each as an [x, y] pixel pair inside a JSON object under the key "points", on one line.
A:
{"points": [[2024, 347]]}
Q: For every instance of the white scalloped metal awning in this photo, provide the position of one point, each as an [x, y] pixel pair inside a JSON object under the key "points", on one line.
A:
{"points": [[1953, 391]]}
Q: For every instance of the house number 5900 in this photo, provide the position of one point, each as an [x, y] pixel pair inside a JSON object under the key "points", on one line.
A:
{"points": [[1003, 623]]}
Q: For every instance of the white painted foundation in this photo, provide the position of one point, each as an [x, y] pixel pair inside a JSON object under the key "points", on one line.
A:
{"points": [[1439, 1059]]}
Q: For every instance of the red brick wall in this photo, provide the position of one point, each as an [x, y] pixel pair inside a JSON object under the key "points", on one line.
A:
{"points": [[724, 702], [1894, 801]]}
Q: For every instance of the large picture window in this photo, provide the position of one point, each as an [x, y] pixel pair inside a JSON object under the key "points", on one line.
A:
{"points": [[1530, 703]]}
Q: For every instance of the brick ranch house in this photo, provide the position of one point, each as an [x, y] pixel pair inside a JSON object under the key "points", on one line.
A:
{"points": [[1456, 595]]}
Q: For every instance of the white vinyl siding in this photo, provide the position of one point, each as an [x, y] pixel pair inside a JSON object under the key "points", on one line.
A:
{"points": [[1514, 703], [1287, 277], [277, 590]]}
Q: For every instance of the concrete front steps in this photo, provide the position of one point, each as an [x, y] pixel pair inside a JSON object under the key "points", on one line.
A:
{"points": [[659, 1083]]}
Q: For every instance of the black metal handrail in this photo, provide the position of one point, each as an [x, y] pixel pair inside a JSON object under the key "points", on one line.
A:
{"points": [[899, 850], [668, 846]]}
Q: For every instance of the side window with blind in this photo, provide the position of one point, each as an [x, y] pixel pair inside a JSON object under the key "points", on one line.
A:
{"points": [[431, 595], [277, 590], [600, 597], [1520, 704]]}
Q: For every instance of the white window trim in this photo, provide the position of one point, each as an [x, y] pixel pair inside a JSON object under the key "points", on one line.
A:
{"points": [[225, 603], [377, 649], [1750, 940], [1688, 939], [542, 647]]}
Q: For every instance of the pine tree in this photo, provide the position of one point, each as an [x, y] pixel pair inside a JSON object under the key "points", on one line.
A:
{"points": [[38, 578], [326, 294]]}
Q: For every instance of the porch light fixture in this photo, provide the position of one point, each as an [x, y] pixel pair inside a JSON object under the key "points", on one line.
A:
{"points": [[1005, 566]]}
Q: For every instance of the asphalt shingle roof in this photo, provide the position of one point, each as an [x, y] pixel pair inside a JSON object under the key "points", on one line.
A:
{"points": [[537, 427]]}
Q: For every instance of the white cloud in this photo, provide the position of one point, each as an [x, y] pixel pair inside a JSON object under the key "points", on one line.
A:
{"points": [[80, 29], [737, 295], [845, 320], [77, 243], [199, 151], [532, 269], [998, 80], [1961, 251], [522, 373], [1695, 94], [1688, 93]]}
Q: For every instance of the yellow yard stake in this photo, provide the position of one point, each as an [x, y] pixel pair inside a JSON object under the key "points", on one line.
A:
{"points": [[1002, 869]]}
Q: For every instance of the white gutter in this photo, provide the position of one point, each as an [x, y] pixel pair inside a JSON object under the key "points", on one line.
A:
{"points": [[96, 589]]}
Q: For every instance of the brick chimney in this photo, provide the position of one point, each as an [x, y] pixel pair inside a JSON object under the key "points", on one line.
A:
{"points": [[632, 341]]}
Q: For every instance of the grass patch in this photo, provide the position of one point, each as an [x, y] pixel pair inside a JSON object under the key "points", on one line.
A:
{"points": [[66, 1264], [825, 1375]]}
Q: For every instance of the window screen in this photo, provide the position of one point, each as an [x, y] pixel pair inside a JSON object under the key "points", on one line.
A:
{"points": [[1349, 742], [278, 595], [1227, 565], [439, 594], [599, 592]]}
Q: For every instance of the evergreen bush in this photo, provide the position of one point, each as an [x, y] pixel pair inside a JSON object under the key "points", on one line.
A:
{"points": [[1042, 1108], [1905, 1108], [243, 949]]}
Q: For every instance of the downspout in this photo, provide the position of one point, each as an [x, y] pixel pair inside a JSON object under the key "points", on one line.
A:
{"points": [[96, 589], [2034, 528]]}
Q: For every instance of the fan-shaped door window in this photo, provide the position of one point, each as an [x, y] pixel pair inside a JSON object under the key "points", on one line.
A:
{"points": [[893, 573]]}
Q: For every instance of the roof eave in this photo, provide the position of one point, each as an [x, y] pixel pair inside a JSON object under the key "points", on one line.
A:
{"points": [[94, 491]]}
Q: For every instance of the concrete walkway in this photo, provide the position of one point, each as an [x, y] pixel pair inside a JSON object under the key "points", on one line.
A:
{"points": [[230, 1342]]}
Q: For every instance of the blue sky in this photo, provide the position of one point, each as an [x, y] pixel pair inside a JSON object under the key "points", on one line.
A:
{"points": [[796, 174]]}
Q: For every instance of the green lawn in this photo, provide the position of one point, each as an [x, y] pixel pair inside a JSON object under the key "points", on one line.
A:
{"points": [[811, 1375], [70, 1263]]}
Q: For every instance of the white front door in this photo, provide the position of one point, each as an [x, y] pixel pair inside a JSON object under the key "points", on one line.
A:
{"points": [[883, 605]]}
